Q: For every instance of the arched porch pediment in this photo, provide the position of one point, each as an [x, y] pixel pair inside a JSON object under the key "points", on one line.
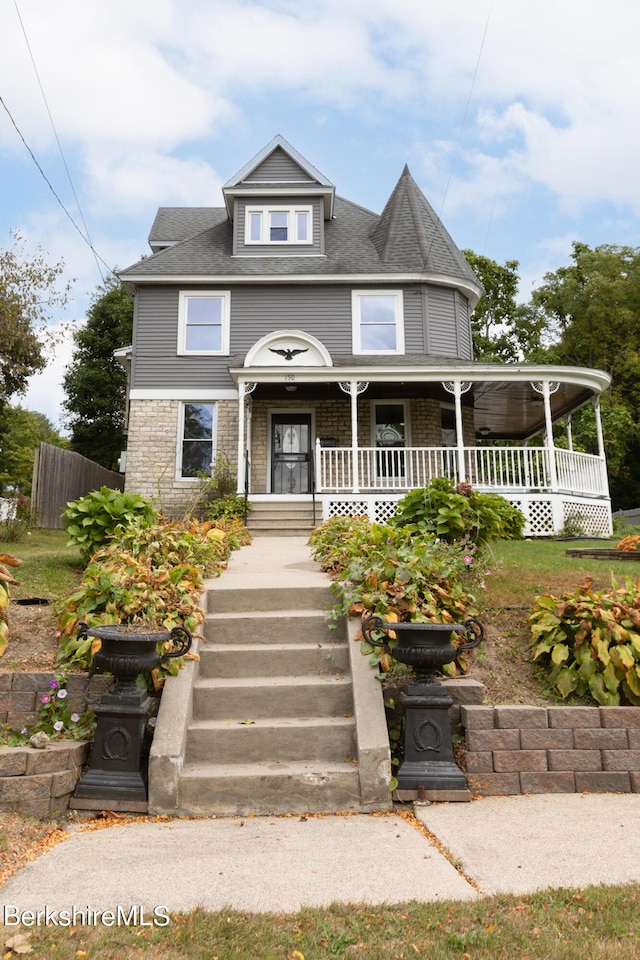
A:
{"points": [[288, 348]]}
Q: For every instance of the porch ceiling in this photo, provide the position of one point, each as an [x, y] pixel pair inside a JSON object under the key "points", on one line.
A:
{"points": [[502, 396]]}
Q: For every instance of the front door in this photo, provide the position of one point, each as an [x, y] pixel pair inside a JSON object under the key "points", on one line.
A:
{"points": [[291, 453]]}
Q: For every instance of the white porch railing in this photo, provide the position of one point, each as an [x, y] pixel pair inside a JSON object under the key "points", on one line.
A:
{"points": [[488, 468]]}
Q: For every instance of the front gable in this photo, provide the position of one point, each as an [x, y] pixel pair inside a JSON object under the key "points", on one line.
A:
{"points": [[278, 203]]}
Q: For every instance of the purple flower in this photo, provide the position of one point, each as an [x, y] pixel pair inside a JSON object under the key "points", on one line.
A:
{"points": [[24, 730], [54, 684], [62, 694], [46, 698], [468, 560], [74, 717], [58, 725]]}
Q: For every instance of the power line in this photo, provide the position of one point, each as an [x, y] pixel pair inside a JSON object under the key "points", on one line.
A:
{"points": [[52, 189], [464, 118]]}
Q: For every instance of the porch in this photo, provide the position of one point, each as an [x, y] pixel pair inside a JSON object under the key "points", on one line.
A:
{"points": [[553, 487], [353, 434]]}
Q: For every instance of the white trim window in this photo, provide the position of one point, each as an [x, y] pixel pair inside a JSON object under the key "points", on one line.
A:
{"points": [[378, 321], [196, 440], [278, 225], [203, 322]]}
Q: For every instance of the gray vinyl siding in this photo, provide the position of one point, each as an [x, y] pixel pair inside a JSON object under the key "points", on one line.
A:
{"points": [[413, 321], [442, 333], [278, 167], [324, 312], [240, 248], [465, 343]]}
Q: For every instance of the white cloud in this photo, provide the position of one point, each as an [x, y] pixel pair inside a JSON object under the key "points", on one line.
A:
{"points": [[128, 183], [45, 393]]}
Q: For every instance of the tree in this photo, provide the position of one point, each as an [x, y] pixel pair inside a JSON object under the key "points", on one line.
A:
{"points": [[502, 329], [94, 382], [593, 308], [21, 433], [29, 290]]}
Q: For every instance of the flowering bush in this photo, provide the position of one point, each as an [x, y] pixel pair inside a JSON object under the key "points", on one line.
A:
{"points": [[55, 718], [629, 543]]}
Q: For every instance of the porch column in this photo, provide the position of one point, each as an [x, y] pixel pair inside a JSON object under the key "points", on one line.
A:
{"points": [[547, 388], [457, 388], [244, 388], [353, 388], [604, 480], [570, 433]]}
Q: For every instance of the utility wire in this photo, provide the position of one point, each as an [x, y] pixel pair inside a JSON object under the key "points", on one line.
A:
{"points": [[464, 121], [86, 236], [51, 187]]}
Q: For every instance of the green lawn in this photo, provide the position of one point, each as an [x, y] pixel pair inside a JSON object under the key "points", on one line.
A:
{"points": [[597, 922], [50, 569], [522, 569]]}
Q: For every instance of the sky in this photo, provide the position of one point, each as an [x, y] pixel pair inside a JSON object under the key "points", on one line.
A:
{"points": [[518, 120]]}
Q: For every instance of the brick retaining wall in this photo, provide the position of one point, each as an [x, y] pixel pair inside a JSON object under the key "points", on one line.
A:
{"points": [[20, 695], [518, 749], [39, 783]]}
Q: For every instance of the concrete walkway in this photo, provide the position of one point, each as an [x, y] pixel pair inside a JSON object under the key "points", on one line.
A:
{"points": [[498, 845]]}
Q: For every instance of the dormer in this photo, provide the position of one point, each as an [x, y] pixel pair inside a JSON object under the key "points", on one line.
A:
{"points": [[278, 204]]}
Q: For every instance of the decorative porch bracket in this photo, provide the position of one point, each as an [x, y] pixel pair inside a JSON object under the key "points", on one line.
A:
{"points": [[354, 388], [458, 388]]}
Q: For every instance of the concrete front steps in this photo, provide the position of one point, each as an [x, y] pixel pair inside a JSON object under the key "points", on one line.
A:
{"points": [[282, 518], [272, 729]]}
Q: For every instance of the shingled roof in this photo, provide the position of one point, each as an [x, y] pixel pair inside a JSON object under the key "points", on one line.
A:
{"points": [[407, 238], [409, 235]]}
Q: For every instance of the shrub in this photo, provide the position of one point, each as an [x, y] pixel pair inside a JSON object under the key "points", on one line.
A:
{"points": [[459, 513], [16, 521], [629, 543], [6, 577], [149, 575], [590, 642], [93, 519], [394, 573]]}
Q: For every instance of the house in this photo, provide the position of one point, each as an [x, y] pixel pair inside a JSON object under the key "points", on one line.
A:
{"points": [[326, 351]]}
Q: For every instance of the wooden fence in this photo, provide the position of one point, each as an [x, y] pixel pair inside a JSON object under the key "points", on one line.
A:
{"points": [[59, 476]]}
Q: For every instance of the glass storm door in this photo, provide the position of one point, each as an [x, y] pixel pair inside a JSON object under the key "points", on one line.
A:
{"points": [[291, 453], [390, 434]]}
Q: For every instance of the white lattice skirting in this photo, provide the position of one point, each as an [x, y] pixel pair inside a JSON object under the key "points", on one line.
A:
{"points": [[545, 515]]}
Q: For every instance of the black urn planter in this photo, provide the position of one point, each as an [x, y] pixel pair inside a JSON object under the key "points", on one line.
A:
{"points": [[118, 768], [428, 766]]}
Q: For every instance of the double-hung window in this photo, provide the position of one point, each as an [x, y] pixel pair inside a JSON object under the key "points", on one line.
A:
{"points": [[378, 325], [203, 322], [196, 440], [278, 225]]}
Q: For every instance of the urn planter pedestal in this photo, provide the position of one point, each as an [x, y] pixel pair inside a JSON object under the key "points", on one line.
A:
{"points": [[428, 770], [117, 772]]}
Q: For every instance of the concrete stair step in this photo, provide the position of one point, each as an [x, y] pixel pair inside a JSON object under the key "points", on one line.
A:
{"points": [[271, 787], [263, 660], [281, 531], [272, 627], [262, 599], [282, 739], [278, 696], [283, 513]]}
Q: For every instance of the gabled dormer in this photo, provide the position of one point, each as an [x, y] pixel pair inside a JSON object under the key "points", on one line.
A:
{"points": [[278, 204]]}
